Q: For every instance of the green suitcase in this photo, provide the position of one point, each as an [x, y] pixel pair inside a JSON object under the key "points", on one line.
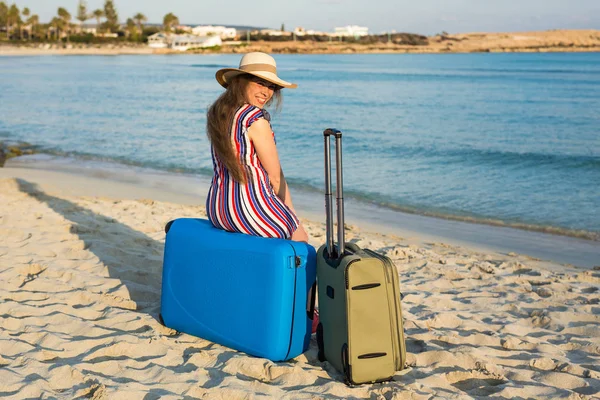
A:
{"points": [[360, 331]]}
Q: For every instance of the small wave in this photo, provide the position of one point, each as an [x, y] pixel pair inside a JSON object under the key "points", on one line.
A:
{"points": [[453, 215], [312, 189], [483, 156], [302, 69], [527, 71], [211, 66], [529, 158], [481, 220], [168, 167]]}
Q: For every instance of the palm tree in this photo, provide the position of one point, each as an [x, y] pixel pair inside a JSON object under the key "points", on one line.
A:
{"points": [[13, 17], [111, 15], [4, 16], [33, 22], [98, 14], [169, 21], [130, 28], [65, 16], [26, 14], [82, 14], [140, 18], [58, 25]]}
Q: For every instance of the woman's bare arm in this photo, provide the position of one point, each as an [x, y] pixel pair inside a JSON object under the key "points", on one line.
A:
{"points": [[262, 137]]}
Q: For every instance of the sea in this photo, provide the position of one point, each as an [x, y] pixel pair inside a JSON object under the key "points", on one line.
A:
{"points": [[509, 139]]}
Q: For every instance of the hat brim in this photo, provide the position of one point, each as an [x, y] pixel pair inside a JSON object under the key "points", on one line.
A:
{"points": [[225, 75]]}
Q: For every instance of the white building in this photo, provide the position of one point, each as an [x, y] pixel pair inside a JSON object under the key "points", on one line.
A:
{"points": [[186, 42], [158, 41], [107, 35], [300, 31], [85, 28], [182, 42], [93, 30], [210, 30], [184, 28], [352, 31]]}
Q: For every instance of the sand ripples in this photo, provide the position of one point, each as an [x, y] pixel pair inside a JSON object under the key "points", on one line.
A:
{"points": [[80, 298]]}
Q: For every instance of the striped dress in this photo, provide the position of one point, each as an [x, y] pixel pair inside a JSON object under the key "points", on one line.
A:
{"points": [[252, 208]]}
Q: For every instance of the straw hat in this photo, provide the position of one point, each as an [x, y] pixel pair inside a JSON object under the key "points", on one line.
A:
{"points": [[257, 64]]}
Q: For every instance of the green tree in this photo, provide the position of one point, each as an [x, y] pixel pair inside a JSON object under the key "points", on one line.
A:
{"points": [[25, 13], [112, 18], [282, 27], [13, 17], [58, 25], [65, 16], [131, 28], [82, 14], [4, 16], [139, 19], [169, 21], [34, 23], [98, 14]]}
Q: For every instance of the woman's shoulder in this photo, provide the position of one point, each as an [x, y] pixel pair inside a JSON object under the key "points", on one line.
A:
{"points": [[248, 114]]}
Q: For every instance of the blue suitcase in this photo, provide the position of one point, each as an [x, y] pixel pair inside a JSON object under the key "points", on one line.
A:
{"points": [[245, 292]]}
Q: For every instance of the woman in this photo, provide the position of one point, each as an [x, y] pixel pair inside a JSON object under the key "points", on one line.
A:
{"points": [[248, 193]]}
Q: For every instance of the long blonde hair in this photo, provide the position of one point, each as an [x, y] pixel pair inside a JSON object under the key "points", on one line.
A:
{"points": [[219, 121]]}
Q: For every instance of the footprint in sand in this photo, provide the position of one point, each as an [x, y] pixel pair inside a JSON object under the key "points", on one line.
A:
{"points": [[31, 272], [513, 343], [486, 267], [14, 236], [415, 346], [543, 364], [92, 389], [540, 319], [476, 383]]}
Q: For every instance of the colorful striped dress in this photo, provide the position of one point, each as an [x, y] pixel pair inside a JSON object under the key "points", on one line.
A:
{"points": [[252, 208]]}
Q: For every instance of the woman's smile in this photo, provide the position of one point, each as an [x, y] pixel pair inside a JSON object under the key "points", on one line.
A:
{"points": [[259, 92]]}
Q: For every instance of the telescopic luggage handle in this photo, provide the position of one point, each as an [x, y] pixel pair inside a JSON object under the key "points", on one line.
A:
{"points": [[339, 193]]}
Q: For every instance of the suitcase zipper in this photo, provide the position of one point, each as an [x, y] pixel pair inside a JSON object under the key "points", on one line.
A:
{"points": [[394, 315], [295, 261]]}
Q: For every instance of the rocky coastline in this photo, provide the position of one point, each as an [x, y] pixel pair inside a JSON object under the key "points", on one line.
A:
{"points": [[14, 149]]}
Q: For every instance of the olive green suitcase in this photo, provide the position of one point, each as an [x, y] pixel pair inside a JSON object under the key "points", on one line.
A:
{"points": [[360, 331]]}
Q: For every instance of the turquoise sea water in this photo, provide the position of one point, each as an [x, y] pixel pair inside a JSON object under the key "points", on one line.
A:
{"points": [[498, 138]]}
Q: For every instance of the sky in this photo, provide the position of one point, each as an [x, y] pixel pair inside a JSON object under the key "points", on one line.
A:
{"points": [[426, 17]]}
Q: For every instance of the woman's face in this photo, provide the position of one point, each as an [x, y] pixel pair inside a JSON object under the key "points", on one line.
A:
{"points": [[259, 91]]}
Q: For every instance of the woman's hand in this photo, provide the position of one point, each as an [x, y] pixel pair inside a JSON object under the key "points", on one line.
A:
{"points": [[300, 234]]}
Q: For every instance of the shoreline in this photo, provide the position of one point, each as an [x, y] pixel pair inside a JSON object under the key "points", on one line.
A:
{"points": [[36, 155], [584, 40], [191, 189]]}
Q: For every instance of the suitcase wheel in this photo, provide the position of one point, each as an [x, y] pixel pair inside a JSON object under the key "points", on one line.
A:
{"points": [[161, 320], [346, 366], [320, 343]]}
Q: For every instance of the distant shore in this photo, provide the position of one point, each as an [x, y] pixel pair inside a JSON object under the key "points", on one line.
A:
{"points": [[542, 41]]}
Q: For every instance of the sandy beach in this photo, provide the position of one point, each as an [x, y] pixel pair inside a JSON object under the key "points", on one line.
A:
{"points": [[559, 40], [80, 266]]}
